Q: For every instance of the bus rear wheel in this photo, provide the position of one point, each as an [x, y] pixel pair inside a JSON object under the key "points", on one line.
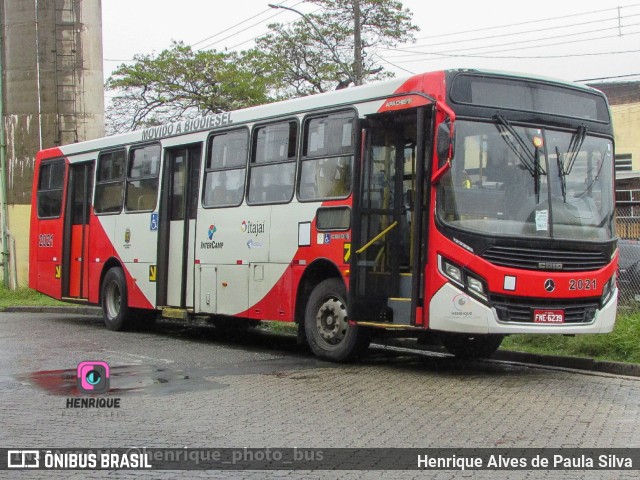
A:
{"points": [[115, 308], [327, 328], [470, 347]]}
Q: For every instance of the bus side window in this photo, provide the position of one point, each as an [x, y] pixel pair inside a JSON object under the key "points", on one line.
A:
{"points": [[327, 158], [142, 178], [273, 163], [50, 187], [226, 169], [109, 182]]}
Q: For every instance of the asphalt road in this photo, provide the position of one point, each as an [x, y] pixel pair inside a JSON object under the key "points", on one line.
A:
{"points": [[186, 386]]}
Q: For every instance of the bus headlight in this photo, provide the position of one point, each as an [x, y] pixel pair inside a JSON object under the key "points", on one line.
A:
{"points": [[608, 289], [476, 285], [454, 273], [470, 282]]}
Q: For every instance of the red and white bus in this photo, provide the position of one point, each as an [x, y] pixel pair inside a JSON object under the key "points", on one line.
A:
{"points": [[462, 204]]}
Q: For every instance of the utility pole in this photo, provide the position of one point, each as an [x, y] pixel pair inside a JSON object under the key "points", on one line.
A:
{"points": [[357, 43], [4, 253]]}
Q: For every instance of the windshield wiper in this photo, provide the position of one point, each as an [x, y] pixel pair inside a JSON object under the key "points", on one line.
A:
{"points": [[577, 139], [528, 160], [562, 174], [531, 161]]}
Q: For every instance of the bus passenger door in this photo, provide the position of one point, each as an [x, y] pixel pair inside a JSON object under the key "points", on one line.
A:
{"points": [[75, 265], [388, 251], [178, 208]]}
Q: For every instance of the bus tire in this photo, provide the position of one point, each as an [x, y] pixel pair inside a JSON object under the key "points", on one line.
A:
{"points": [[115, 308], [469, 347], [327, 329]]}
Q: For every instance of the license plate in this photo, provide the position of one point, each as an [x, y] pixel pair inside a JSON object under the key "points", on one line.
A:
{"points": [[548, 316]]}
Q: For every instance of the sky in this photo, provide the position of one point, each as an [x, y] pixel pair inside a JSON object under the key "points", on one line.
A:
{"points": [[566, 39]]}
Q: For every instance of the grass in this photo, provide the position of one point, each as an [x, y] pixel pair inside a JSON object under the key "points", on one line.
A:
{"points": [[24, 296], [284, 328], [622, 345]]}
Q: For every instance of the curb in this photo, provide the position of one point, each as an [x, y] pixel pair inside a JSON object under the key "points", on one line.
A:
{"points": [[575, 363], [65, 310]]}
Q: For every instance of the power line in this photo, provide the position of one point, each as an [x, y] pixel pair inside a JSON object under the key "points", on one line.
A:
{"points": [[249, 27], [608, 78], [565, 26], [447, 52], [237, 25], [393, 64], [440, 55], [264, 33], [527, 22]]}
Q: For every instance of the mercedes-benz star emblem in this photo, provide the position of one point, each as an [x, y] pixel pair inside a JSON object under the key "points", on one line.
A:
{"points": [[549, 285]]}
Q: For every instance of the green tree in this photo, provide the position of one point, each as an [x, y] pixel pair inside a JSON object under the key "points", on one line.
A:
{"points": [[179, 83], [304, 64]]}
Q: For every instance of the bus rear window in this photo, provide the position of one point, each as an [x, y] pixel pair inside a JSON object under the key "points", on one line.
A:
{"points": [[50, 187], [528, 95]]}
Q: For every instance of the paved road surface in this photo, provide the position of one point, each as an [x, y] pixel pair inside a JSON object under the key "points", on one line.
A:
{"points": [[186, 386]]}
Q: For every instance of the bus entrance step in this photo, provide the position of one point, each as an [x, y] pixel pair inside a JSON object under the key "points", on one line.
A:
{"points": [[178, 313], [401, 310], [405, 285]]}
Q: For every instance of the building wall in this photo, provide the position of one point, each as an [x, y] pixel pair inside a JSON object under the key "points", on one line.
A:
{"points": [[18, 216], [626, 125], [624, 99], [53, 92]]}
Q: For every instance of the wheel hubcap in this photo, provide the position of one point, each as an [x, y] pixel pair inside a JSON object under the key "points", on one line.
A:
{"points": [[331, 320]]}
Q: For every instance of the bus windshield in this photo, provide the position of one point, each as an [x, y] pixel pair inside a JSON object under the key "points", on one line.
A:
{"points": [[514, 180]]}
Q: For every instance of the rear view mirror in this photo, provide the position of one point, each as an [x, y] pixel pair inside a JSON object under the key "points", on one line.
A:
{"points": [[445, 142]]}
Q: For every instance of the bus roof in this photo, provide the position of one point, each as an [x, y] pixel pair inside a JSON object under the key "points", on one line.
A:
{"points": [[287, 108]]}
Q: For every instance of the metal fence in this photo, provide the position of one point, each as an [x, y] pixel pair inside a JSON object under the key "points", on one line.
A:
{"points": [[628, 231]]}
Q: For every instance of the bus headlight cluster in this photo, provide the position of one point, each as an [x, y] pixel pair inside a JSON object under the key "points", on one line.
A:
{"points": [[463, 278]]}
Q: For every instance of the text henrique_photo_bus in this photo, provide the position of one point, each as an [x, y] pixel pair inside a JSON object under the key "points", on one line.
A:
{"points": [[458, 205]]}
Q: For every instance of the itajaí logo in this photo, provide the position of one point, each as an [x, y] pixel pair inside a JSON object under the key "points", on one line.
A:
{"points": [[253, 228], [211, 244]]}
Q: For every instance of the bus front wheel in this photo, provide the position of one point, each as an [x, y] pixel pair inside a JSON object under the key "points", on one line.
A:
{"points": [[115, 308], [470, 347], [327, 328]]}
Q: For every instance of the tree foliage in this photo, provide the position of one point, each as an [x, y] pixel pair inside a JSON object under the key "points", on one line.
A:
{"points": [[179, 83], [291, 60], [305, 65]]}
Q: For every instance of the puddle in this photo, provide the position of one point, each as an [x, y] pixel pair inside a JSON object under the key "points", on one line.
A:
{"points": [[124, 380]]}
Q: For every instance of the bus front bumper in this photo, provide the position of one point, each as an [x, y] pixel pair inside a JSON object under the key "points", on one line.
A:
{"points": [[452, 310]]}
